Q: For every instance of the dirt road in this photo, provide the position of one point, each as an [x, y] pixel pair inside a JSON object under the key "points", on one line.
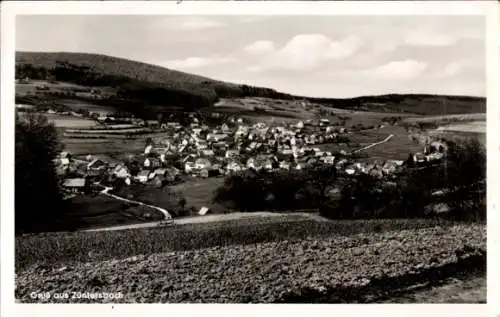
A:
{"points": [[374, 144]]}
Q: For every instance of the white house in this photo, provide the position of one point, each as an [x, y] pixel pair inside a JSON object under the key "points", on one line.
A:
{"points": [[143, 176], [64, 161], [189, 167]]}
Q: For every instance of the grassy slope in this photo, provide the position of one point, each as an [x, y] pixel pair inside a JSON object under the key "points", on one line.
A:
{"points": [[92, 212], [102, 64]]}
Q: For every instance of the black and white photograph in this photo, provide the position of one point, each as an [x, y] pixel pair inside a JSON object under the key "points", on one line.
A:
{"points": [[249, 158]]}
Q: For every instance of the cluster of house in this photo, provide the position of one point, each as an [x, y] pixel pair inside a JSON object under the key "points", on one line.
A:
{"points": [[82, 176], [236, 146], [201, 151]]}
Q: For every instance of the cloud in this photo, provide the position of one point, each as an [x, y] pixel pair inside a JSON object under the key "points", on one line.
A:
{"points": [[405, 69], [427, 38], [200, 24], [457, 67], [453, 68], [260, 47], [306, 52], [196, 62]]}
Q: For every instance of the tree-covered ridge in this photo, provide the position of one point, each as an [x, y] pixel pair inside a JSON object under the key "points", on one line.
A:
{"points": [[133, 80], [156, 85]]}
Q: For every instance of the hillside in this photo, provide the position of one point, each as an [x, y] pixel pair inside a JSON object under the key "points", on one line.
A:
{"points": [[422, 104], [146, 89]]}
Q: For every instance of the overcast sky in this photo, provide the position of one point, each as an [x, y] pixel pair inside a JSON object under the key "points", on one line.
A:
{"points": [[320, 56]]}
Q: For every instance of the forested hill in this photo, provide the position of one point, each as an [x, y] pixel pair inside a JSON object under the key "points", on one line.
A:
{"points": [[136, 80], [140, 83]]}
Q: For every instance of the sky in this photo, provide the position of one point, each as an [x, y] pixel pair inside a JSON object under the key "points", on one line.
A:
{"points": [[317, 56]]}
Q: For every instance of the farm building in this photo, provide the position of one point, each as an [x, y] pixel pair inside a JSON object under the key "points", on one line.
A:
{"points": [[143, 176]]}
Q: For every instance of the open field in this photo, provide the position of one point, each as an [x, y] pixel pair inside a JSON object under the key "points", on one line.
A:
{"points": [[31, 87], [116, 147], [447, 118], [198, 193], [50, 248], [89, 106], [397, 148], [102, 146], [107, 131], [471, 127], [363, 267], [61, 121]]}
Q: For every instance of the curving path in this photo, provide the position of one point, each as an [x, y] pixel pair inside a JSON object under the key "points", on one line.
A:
{"points": [[374, 144], [106, 190]]}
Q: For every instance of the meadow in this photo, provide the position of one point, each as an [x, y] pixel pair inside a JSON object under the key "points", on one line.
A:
{"points": [[397, 148], [63, 121], [444, 119], [95, 211], [470, 127]]}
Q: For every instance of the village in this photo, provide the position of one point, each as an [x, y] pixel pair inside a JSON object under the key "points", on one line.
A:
{"points": [[197, 150]]}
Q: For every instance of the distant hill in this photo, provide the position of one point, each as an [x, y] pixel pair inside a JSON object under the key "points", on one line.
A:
{"points": [[422, 104], [146, 89]]}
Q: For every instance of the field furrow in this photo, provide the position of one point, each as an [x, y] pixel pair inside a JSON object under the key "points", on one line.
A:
{"points": [[284, 271]]}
